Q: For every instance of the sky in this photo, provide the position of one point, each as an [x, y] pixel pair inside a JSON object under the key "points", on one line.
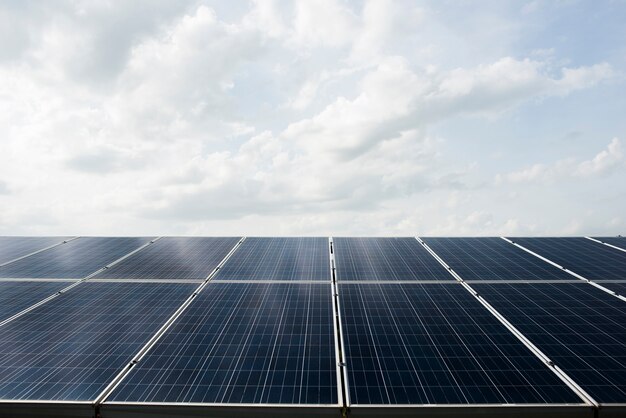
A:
{"points": [[323, 117]]}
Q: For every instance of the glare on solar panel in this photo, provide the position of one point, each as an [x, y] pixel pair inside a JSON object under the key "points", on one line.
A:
{"points": [[15, 247], [178, 258], [73, 260]]}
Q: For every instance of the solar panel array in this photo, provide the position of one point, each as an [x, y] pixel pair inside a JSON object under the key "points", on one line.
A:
{"points": [[182, 326]]}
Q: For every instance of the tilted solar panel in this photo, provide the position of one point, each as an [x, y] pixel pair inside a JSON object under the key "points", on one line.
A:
{"points": [[17, 296], [619, 288], [259, 343], [581, 328], [173, 258], [385, 259], [493, 259], [279, 259], [15, 247], [617, 241], [72, 347], [591, 260], [436, 344], [74, 260]]}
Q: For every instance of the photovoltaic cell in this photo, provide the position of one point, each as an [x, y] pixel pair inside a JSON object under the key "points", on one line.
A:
{"points": [[72, 347], [435, 344], [617, 241], [278, 259], [260, 343], [581, 328], [173, 258], [17, 296], [493, 259], [591, 260], [15, 247], [385, 259], [74, 260]]}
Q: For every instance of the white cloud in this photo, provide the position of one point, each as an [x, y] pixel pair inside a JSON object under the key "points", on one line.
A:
{"points": [[604, 162], [119, 118]]}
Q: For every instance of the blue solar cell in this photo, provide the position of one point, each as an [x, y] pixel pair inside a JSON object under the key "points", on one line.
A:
{"points": [[260, 343], [17, 296], [581, 328], [279, 259], [173, 258], [74, 260], [617, 241], [385, 259], [591, 260], [493, 259], [71, 348], [15, 247], [436, 344]]}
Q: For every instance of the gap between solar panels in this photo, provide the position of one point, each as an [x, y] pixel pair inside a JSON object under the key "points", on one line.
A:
{"points": [[574, 274], [76, 282], [585, 397], [155, 338]]}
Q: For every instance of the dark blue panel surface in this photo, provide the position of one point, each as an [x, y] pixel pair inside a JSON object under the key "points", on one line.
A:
{"points": [[591, 260], [386, 259], [279, 259], [17, 296], [173, 258], [581, 328], [436, 344], [619, 288], [243, 343], [15, 247], [72, 347], [493, 259], [74, 260], [617, 241]]}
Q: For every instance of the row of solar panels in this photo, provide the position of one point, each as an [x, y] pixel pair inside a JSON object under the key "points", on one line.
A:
{"points": [[490, 324], [382, 259]]}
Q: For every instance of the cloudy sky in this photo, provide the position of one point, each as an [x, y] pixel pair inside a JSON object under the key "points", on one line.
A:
{"points": [[313, 118]]}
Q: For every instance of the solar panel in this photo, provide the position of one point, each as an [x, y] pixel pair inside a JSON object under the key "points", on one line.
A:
{"points": [[493, 259], [173, 258], [259, 343], [619, 288], [590, 259], [278, 259], [581, 328], [385, 259], [73, 260], [15, 247], [435, 344], [617, 241], [17, 296], [72, 347]]}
